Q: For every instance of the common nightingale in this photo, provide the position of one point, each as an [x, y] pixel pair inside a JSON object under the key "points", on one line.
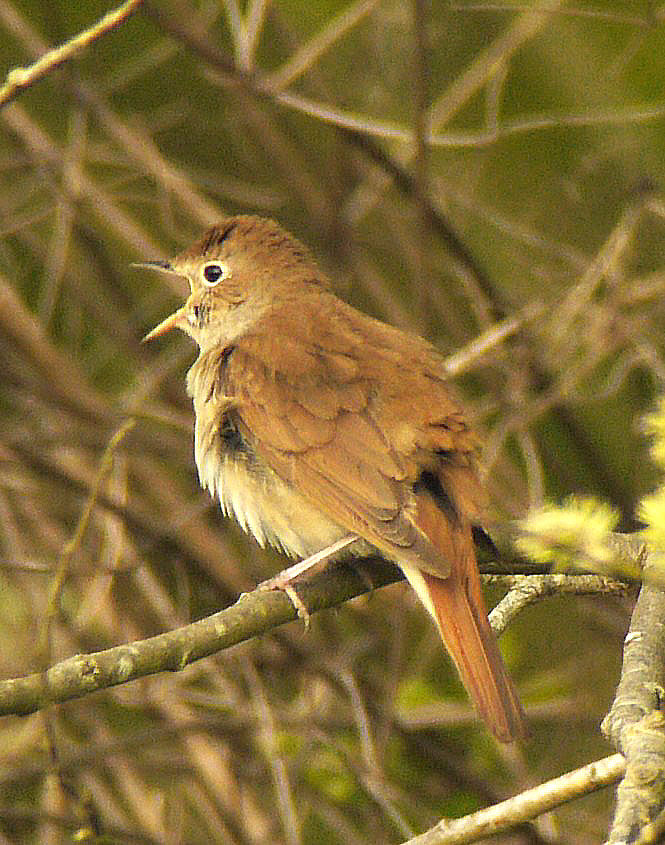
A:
{"points": [[315, 422]]}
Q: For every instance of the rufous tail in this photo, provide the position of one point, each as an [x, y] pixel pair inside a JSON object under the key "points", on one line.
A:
{"points": [[462, 621], [456, 602]]}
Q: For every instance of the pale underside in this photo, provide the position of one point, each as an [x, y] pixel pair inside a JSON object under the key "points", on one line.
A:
{"points": [[276, 515]]}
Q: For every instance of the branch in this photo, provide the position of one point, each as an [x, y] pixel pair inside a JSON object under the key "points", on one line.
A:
{"points": [[525, 806], [635, 722], [252, 615], [527, 590], [21, 78]]}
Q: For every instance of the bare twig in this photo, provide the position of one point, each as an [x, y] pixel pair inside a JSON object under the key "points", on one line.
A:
{"points": [[20, 79], [303, 59], [71, 546], [421, 82], [526, 806], [101, 203], [530, 589], [57, 368], [464, 359], [269, 733]]}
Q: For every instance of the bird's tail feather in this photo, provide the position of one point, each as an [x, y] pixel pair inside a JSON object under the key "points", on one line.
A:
{"points": [[457, 605]]}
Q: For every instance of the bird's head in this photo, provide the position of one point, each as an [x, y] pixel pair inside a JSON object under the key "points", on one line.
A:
{"points": [[237, 272]]}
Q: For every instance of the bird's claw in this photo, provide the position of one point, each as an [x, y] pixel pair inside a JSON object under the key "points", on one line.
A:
{"points": [[283, 584]]}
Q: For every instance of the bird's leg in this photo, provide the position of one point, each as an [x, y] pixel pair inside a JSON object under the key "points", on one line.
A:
{"points": [[283, 580]]}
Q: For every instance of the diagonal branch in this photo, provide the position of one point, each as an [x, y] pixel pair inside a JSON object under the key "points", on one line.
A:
{"points": [[19, 79], [252, 615], [526, 806]]}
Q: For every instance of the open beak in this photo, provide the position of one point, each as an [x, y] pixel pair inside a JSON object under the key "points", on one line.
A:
{"points": [[177, 320]]}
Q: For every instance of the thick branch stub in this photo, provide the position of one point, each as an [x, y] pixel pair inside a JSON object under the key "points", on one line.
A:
{"points": [[636, 723]]}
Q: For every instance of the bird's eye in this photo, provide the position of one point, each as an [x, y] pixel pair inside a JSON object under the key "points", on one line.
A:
{"points": [[213, 273]]}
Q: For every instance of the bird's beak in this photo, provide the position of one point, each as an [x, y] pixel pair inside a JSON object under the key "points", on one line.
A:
{"points": [[177, 320]]}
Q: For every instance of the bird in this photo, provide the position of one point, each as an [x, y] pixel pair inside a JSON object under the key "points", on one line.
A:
{"points": [[316, 425]]}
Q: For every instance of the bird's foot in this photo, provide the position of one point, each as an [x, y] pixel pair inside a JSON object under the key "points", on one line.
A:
{"points": [[279, 582], [284, 579]]}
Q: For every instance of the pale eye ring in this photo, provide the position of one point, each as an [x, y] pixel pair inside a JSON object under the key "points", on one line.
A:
{"points": [[213, 273]]}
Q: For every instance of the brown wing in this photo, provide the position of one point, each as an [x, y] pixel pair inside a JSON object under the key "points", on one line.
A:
{"points": [[326, 410]]}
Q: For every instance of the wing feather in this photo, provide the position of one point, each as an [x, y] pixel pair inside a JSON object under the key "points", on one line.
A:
{"points": [[319, 420]]}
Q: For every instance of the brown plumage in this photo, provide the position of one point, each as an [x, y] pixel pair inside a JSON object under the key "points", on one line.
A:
{"points": [[314, 421]]}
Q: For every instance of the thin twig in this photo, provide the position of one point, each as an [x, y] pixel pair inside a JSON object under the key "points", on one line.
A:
{"points": [[526, 806], [74, 542], [101, 204], [530, 589], [302, 60], [468, 356], [269, 735], [421, 83], [20, 79]]}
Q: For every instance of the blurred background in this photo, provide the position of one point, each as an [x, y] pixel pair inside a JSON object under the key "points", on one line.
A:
{"points": [[488, 174]]}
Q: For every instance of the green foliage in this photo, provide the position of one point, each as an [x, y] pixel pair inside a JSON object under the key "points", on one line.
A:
{"points": [[574, 535], [651, 509], [654, 425], [577, 534]]}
